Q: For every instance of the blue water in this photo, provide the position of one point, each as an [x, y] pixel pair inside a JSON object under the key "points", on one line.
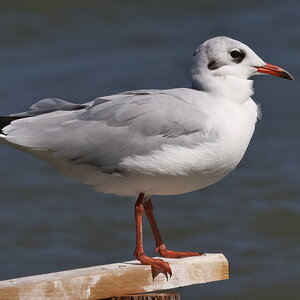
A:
{"points": [[79, 50]]}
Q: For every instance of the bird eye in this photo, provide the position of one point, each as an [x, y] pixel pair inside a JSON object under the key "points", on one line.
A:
{"points": [[237, 55]]}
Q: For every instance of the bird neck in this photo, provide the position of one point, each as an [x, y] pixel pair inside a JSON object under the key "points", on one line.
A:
{"points": [[232, 87]]}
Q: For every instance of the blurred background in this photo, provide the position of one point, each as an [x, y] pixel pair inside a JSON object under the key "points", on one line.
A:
{"points": [[78, 50]]}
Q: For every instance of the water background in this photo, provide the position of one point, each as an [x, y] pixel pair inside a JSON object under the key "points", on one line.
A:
{"points": [[78, 50]]}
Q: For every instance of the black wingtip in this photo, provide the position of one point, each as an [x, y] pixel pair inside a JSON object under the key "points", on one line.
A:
{"points": [[4, 121]]}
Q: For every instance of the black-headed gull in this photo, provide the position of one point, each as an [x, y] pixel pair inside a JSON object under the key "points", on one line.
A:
{"points": [[152, 142]]}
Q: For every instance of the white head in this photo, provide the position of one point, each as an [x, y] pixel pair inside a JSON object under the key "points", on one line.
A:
{"points": [[224, 62]]}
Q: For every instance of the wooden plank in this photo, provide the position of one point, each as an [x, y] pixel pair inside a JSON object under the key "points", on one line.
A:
{"points": [[117, 279]]}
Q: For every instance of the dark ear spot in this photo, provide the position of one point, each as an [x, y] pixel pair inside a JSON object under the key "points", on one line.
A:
{"points": [[213, 65]]}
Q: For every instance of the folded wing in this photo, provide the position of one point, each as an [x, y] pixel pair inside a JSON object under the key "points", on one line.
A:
{"points": [[105, 131]]}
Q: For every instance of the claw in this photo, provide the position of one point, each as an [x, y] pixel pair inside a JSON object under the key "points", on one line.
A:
{"points": [[161, 266], [157, 264]]}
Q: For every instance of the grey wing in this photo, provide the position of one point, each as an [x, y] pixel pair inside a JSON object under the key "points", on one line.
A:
{"points": [[107, 130]]}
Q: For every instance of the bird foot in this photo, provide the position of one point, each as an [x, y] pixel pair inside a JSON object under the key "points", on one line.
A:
{"points": [[164, 252], [158, 265]]}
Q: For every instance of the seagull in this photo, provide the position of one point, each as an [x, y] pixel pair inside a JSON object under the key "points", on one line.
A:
{"points": [[152, 142]]}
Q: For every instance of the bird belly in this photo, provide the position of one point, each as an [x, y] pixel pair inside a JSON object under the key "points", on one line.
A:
{"points": [[178, 171]]}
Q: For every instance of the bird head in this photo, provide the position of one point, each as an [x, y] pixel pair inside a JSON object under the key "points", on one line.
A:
{"points": [[222, 58]]}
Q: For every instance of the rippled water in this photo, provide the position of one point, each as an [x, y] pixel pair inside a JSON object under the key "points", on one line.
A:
{"points": [[80, 50]]}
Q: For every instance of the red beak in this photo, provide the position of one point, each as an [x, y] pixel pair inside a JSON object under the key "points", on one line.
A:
{"points": [[274, 70]]}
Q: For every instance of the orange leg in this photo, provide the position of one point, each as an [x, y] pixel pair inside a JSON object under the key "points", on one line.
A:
{"points": [[160, 246], [158, 264]]}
